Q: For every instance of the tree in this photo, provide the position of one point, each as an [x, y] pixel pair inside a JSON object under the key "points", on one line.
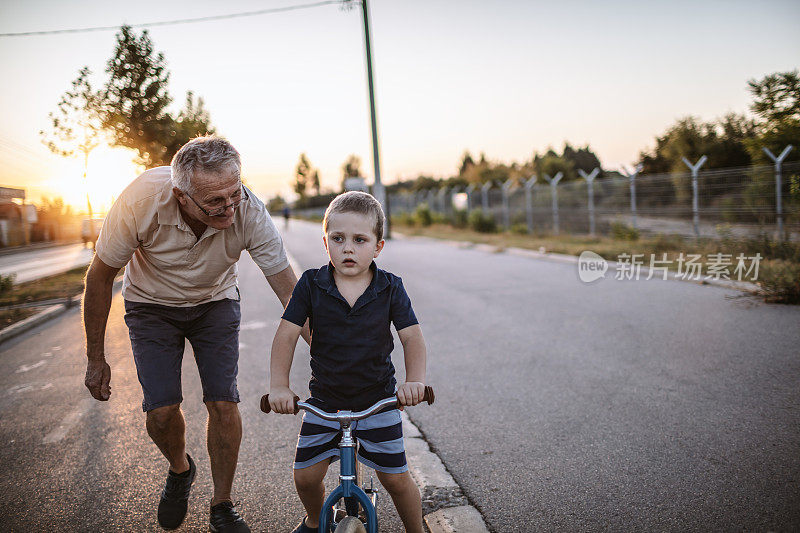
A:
{"points": [[315, 182], [137, 98], [77, 125], [723, 141], [582, 159], [302, 175], [776, 102], [466, 163]]}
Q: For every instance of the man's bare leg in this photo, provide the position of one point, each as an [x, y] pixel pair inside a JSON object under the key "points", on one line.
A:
{"points": [[167, 429], [224, 438]]}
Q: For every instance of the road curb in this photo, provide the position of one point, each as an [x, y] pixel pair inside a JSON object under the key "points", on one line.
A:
{"points": [[451, 510], [32, 321], [43, 316]]}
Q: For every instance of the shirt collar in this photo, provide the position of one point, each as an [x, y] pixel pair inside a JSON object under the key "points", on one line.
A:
{"points": [[168, 213], [324, 280]]}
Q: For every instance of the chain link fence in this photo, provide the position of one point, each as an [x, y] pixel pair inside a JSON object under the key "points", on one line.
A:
{"points": [[736, 202]]}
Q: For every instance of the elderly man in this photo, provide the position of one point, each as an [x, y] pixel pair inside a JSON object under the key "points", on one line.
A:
{"points": [[180, 231]]}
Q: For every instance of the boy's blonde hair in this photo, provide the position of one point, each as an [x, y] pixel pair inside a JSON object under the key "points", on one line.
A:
{"points": [[356, 202]]}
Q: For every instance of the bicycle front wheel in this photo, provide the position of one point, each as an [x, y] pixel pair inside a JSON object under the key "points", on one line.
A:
{"points": [[351, 524]]}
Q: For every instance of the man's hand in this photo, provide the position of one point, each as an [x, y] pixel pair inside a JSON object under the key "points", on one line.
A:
{"points": [[98, 379], [281, 400], [410, 393]]}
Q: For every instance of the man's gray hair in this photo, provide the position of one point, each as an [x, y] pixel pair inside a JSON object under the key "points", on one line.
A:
{"points": [[207, 154]]}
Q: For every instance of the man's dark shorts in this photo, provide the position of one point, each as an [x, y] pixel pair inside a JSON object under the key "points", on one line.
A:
{"points": [[158, 335]]}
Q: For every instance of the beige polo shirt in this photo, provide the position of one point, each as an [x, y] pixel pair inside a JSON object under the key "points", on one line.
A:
{"points": [[165, 263]]}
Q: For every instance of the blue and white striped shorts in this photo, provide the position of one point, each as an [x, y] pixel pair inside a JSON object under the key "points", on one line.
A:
{"points": [[380, 439]]}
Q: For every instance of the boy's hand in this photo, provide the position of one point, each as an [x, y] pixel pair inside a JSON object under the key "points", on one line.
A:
{"points": [[410, 393], [281, 400]]}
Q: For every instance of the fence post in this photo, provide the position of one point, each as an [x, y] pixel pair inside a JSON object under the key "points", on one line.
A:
{"points": [[431, 200], [469, 189], [778, 193], [529, 201], [632, 179], [506, 215], [485, 196], [554, 195], [695, 202], [442, 195], [590, 182]]}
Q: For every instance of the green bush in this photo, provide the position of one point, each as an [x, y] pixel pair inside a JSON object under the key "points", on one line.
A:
{"points": [[519, 229], [404, 219], [482, 223], [423, 215], [624, 232], [780, 281], [459, 218], [6, 282]]}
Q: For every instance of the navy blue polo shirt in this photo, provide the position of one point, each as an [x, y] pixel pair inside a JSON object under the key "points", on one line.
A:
{"points": [[351, 364]]}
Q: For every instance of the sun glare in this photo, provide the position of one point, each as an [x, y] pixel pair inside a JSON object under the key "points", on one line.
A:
{"points": [[110, 171]]}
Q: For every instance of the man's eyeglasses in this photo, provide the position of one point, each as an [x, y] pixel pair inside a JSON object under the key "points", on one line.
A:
{"points": [[217, 211]]}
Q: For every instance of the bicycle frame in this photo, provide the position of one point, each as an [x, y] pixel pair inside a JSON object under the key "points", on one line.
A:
{"points": [[348, 486]]}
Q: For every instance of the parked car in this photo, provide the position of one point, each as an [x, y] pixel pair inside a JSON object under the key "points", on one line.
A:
{"points": [[90, 229]]}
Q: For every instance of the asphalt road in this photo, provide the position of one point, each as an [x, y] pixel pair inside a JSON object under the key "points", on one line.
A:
{"points": [[561, 406], [39, 263]]}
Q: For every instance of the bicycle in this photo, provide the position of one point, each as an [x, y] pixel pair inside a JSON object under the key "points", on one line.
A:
{"points": [[340, 512]]}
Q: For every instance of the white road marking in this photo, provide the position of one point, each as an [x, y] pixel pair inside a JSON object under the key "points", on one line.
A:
{"points": [[26, 368], [47, 354], [24, 387], [46, 386], [69, 422], [56, 348]]}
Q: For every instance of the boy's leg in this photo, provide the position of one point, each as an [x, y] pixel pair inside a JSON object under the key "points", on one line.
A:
{"points": [[405, 495], [310, 487]]}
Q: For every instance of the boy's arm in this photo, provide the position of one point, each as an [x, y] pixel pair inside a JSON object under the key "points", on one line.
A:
{"points": [[415, 353], [281, 397]]}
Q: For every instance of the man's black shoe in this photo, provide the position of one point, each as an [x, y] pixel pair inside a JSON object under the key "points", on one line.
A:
{"points": [[175, 497], [225, 519]]}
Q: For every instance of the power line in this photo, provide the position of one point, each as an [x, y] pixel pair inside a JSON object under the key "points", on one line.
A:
{"points": [[177, 21]]}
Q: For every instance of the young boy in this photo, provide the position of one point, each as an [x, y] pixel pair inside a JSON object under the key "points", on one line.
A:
{"points": [[350, 303]]}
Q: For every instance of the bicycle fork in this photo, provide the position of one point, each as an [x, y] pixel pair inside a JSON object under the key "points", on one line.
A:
{"points": [[348, 486]]}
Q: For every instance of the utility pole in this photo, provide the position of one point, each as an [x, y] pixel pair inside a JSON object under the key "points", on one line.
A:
{"points": [[377, 188]]}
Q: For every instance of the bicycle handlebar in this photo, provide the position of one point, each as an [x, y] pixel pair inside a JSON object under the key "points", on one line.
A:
{"points": [[428, 396]]}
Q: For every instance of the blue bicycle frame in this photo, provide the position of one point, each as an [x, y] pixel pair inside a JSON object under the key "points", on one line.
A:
{"points": [[348, 485]]}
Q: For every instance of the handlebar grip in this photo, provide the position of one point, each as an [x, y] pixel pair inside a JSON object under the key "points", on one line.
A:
{"points": [[265, 407], [429, 396]]}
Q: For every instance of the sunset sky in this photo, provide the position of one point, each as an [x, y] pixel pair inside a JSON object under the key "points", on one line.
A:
{"points": [[502, 77]]}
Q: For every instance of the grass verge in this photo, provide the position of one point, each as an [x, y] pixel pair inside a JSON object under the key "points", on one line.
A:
{"points": [[64, 285], [778, 273]]}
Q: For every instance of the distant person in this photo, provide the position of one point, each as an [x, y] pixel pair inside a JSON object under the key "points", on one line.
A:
{"points": [[351, 304], [179, 232], [287, 213]]}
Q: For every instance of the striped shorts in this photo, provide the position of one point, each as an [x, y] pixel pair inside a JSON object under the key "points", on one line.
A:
{"points": [[380, 439]]}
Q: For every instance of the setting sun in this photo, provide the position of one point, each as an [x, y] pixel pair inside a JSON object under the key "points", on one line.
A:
{"points": [[110, 170]]}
